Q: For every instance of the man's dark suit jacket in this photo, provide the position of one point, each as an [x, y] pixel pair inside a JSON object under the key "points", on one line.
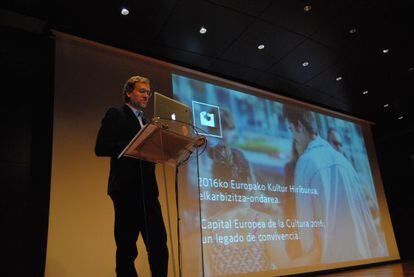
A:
{"points": [[118, 127]]}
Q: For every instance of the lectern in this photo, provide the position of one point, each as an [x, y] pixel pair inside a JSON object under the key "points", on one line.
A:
{"points": [[167, 142]]}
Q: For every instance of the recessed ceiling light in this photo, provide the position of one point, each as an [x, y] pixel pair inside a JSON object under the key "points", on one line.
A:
{"points": [[305, 64], [307, 8], [261, 46], [400, 117], [339, 78], [385, 51], [411, 69], [365, 92], [203, 30], [386, 105], [124, 11], [352, 31]]}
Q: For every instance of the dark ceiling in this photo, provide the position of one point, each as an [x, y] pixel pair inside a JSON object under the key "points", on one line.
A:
{"points": [[322, 36]]}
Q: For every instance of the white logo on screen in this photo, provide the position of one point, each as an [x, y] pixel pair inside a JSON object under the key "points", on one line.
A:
{"points": [[207, 119], [173, 117]]}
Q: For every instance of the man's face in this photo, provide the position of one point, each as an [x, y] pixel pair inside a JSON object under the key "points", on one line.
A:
{"points": [[139, 97], [300, 136], [335, 140]]}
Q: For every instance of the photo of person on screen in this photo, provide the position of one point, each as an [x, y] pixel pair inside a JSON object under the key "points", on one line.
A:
{"points": [[335, 140], [347, 229], [132, 184], [228, 162], [246, 255]]}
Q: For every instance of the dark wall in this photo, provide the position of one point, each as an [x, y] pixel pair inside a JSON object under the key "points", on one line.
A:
{"points": [[25, 149], [395, 151]]}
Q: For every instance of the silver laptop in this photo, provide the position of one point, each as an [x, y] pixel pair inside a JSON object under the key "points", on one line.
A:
{"points": [[172, 113], [168, 108]]}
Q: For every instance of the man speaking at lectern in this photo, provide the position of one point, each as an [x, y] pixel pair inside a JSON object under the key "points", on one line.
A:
{"points": [[132, 185]]}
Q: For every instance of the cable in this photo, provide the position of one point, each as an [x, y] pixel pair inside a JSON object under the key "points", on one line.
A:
{"points": [[178, 223], [199, 208]]}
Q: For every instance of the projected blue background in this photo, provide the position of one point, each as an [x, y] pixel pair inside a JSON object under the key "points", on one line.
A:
{"points": [[262, 135], [251, 142]]}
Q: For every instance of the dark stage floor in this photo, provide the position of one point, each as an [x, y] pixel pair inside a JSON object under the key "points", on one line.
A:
{"points": [[396, 269]]}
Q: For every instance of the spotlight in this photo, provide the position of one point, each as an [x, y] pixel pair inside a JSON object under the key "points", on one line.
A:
{"points": [[386, 105], [385, 51], [400, 117], [352, 31], [203, 30], [124, 11], [411, 69], [304, 64], [307, 8], [261, 46], [339, 78], [365, 92]]}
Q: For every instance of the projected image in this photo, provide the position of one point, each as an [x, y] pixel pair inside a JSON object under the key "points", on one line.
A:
{"points": [[280, 186]]}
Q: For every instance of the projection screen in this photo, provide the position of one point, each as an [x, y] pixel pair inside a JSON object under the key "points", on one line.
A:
{"points": [[284, 187]]}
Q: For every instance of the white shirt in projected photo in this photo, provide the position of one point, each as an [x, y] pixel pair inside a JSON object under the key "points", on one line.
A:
{"points": [[349, 232]]}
